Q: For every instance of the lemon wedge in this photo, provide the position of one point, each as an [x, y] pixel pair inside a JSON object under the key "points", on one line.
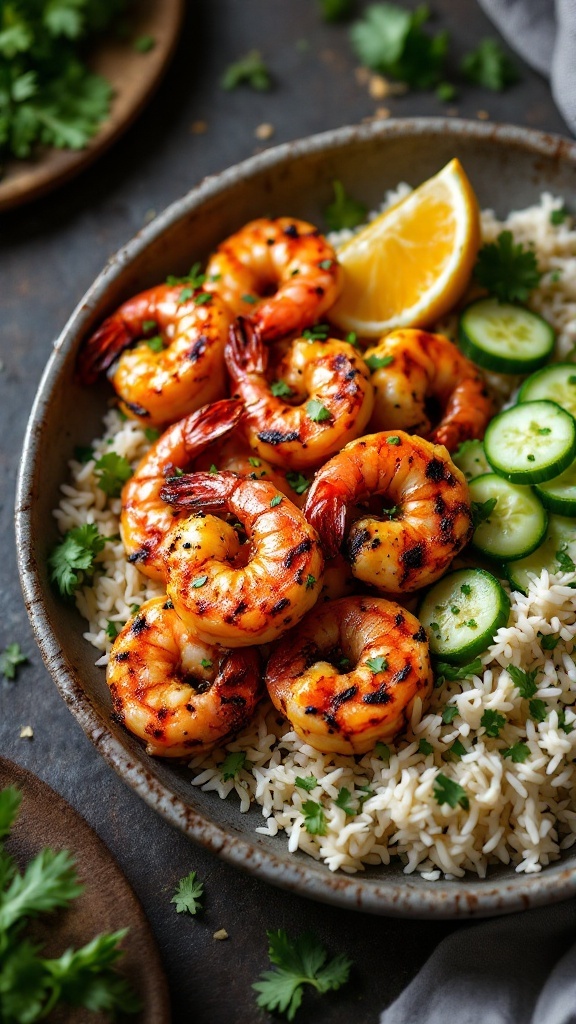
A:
{"points": [[410, 265]]}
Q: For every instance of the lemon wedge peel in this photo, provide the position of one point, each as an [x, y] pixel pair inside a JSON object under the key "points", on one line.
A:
{"points": [[410, 265]]}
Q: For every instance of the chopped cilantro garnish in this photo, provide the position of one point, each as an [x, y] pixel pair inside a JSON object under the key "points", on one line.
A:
{"points": [[72, 560], [343, 801], [314, 818], [449, 713], [232, 764], [425, 748], [382, 750], [326, 264], [188, 894], [525, 682], [482, 510], [506, 269], [317, 412], [538, 710], [489, 66], [343, 212], [112, 471], [446, 791], [276, 500], [518, 753], [565, 562], [199, 582], [549, 641], [249, 70], [562, 723], [254, 461], [558, 216], [466, 589], [202, 298], [206, 663], [112, 629], [155, 344], [377, 362], [310, 581], [280, 389], [298, 482], [377, 664], [309, 783], [446, 92], [151, 434], [492, 721], [456, 751], [250, 299], [317, 333]]}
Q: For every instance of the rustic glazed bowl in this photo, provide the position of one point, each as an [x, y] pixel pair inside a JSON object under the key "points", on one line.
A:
{"points": [[509, 168]]}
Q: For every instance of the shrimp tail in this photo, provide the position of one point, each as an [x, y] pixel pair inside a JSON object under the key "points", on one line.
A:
{"points": [[102, 348], [209, 423], [194, 491], [325, 510], [245, 351], [236, 669]]}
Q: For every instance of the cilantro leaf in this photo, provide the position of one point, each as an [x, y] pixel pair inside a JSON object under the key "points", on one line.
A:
{"points": [[49, 881], [309, 783], [10, 800], [297, 962], [566, 727], [382, 750], [317, 412], [565, 562], [548, 641], [453, 672], [73, 559], [188, 894], [314, 818], [377, 664], [449, 713], [280, 389], [482, 510], [10, 658], [85, 977], [112, 471], [424, 747], [488, 65], [391, 40], [319, 332], [343, 212], [492, 721], [377, 362], [232, 764], [298, 482], [525, 682], [343, 801], [538, 710], [517, 753], [249, 70], [506, 269], [446, 791]]}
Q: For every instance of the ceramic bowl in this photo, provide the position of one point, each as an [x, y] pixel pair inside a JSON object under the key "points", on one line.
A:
{"points": [[509, 168]]}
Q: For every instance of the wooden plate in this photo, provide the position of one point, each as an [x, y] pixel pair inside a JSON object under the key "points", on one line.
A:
{"points": [[133, 75], [106, 904]]}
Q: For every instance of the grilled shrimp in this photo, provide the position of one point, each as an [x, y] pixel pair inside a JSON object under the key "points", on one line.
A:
{"points": [[328, 380], [426, 367], [179, 694], [145, 519], [235, 594], [349, 675], [288, 255], [234, 455], [426, 516], [172, 373]]}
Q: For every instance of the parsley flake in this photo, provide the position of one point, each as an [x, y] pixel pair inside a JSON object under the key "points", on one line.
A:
{"points": [[309, 783], [155, 344], [506, 269], [382, 750], [343, 212], [297, 962], [481, 511], [449, 713], [199, 582], [188, 894], [425, 748], [326, 264], [275, 500], [446, 791], [566, 727], [394, 440], [343, 802], [298, 482], [11, 657], [310, 581], [206, 663], [317, 333]]}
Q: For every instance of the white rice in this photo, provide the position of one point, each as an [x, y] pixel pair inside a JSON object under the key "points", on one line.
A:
{"points": [[520, 813]]}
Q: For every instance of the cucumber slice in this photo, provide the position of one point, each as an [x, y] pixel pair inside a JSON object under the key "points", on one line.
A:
{"points": [[471, 459], [559, 495], [560, 538], [531, 443], [517, 524], [462, 612], [557, 382], [506, 338]]}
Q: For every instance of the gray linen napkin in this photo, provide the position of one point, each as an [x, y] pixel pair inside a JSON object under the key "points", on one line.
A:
{"points": [[519, 969], [543, 32]]}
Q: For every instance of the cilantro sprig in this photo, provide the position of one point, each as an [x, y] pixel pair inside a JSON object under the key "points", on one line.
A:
{"points": [[248, 70], [391, 40], [297, 962], [188, 894], [72, 561], [507, 269], [10, 660], [32, 986], [112, 471], [488, 65]]}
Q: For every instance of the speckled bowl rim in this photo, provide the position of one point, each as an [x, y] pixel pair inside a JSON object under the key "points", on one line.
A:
{"points": [[392, 896]]}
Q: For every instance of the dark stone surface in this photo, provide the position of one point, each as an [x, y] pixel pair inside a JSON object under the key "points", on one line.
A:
{"points": [[49, 253]]}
